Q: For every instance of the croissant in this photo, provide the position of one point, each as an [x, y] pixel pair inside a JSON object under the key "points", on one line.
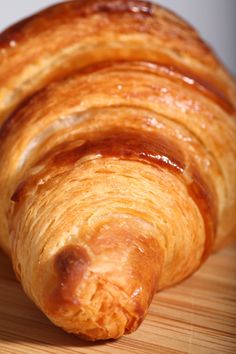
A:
{"points": [[117, 159]]}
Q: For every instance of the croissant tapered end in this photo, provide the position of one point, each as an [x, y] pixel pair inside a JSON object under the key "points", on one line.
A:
{"points": [[104, 291]]}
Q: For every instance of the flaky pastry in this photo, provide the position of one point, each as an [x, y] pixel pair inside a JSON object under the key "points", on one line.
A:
{"points": [[117, 159]]}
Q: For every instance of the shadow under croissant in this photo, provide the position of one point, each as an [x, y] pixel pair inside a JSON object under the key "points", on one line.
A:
{"points": [[21, 321]]}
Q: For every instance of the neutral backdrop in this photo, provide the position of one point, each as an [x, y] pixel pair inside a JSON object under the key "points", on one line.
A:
{"points": [[215, 19]]}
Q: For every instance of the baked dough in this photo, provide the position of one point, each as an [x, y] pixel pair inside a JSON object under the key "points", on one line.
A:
{"points": [[117, 159]]}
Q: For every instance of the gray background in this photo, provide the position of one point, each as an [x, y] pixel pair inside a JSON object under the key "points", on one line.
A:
{"points": [[215, 19]]}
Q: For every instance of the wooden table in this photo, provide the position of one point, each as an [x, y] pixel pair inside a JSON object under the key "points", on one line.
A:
{"points": [[197, 316]]}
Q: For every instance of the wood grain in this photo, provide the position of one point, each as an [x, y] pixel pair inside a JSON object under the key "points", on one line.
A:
{"points": [[197, 316]]}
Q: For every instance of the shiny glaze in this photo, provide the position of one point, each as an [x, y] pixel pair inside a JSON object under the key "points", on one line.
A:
{"points": [[166, 68], [70, 265], [151, 148], [69, 10], [128, 145], [116, 6], [196, 81], [161, 69], [66, 12], [204, 85]]}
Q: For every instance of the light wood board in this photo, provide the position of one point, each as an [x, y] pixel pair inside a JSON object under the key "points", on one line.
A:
{"points": [[197, 316]]}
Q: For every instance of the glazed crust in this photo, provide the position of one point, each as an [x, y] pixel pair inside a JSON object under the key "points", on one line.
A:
{"points": [[117, 159]]}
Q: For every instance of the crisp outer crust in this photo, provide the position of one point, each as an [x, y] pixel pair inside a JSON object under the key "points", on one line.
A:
{"points": [[118, 176], [84, 32]]}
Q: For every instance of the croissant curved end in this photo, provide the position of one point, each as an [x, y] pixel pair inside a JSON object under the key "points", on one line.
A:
{"points": [[102, 293]]}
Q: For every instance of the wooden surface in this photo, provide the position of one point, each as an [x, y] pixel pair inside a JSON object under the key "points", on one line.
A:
{"points": [[197, 316]]}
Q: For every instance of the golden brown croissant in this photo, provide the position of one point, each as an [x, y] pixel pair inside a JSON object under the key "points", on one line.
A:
{"points": [[117, 159]]}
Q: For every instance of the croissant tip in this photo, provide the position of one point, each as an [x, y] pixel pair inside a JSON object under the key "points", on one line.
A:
{"points": [[93, 297]]}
